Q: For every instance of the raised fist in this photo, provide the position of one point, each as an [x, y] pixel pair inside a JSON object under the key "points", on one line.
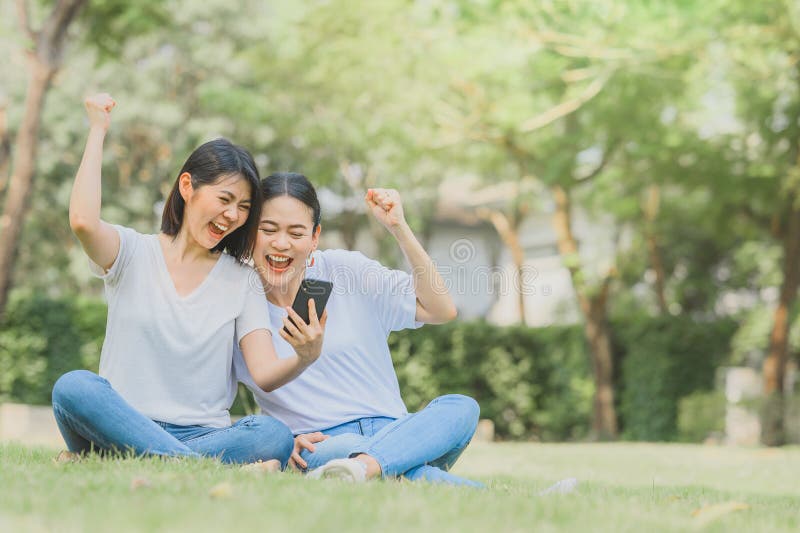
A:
{"points": [[386, 206], [99, 107]]}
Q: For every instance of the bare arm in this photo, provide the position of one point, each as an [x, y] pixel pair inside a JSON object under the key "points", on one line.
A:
{"points": [[99, 240], [434, 304], [267, 370]]}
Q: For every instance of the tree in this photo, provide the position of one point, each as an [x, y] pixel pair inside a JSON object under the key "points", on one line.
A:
{"points": [[762, 42], [349, 83], [577, 89], [44, 57], [45, 49], [173, 92]]}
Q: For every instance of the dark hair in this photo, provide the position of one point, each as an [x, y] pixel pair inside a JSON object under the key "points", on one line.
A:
{"points": [[295, 185], [207, 165]]}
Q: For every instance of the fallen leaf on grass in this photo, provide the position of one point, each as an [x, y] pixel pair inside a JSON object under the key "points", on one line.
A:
{"points": [[709, 513], [65, 457], [140, 483], [769, 453], [221, 491]]}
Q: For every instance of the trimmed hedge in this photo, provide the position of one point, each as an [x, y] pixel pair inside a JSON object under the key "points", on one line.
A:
{"points": [[665, 359], [701, 415], [534, 383], [41, 338]]}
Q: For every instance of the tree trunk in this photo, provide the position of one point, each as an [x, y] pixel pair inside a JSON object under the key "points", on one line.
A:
{"points": [[5, 145], [604, 418], [651, 209], [427, 214], [21, 180], [774, 368], [43, 63], [509, 234], [594, 309], [349, 229]]}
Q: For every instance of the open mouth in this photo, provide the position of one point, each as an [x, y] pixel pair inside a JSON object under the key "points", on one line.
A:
{"points": [[217, 230], [278, 263]]}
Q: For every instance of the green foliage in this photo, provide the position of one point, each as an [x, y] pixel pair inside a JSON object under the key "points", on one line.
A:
{"points": [[696, 99], [41, 338], [751, 342], [663, 360], [107, 24], [534, 383], [701, 414]]}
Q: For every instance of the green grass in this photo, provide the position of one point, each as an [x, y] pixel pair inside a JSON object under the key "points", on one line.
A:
{"points": [[624, 487]]}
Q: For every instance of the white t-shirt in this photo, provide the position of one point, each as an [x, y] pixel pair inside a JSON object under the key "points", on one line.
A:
{"points": [[170, 356], [354, 377]]}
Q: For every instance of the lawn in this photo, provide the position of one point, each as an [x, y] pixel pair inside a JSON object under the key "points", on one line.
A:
{"points": [[624, 487]]}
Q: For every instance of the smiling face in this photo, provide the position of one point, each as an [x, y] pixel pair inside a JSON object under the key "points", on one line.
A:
{"points": [[286, 237], [216, 210]]}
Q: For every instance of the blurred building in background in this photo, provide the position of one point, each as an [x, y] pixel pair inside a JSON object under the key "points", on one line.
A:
{"points": [[477, 266]]}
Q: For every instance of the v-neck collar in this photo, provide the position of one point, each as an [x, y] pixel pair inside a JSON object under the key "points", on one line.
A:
{"points": [[165, 271]]}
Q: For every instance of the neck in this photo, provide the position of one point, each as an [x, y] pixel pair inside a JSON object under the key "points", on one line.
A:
{"points": [[283, 296], [182, 247]]}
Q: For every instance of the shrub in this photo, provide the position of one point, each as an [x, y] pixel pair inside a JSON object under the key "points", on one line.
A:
{"points": [[665, 359], [41, 338], [533, 383], [701, 414]]}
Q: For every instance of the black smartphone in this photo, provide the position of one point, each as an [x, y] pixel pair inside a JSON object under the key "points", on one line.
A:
{"points": [[317, 289]]}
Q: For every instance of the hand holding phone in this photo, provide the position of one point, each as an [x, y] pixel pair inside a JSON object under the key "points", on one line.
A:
{"points": [[304, 326]]}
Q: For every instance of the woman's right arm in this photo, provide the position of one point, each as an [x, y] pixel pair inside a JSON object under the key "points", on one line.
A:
{"points": [[258, 351], [99, 239]]}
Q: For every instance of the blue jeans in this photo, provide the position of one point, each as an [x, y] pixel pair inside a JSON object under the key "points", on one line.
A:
{"points": [[418, 446], [93, 416]]}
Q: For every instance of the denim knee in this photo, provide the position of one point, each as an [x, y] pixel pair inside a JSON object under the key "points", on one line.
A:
{"points": [[276, 436], [72, 386], [467, 407]]}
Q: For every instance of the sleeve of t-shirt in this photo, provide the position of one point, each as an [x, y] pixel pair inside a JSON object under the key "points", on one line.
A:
{"points": [[391, 292], [254, 313], [128, 242]]}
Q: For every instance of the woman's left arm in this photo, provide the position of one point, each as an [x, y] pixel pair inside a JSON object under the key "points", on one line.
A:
{"points": [[434, 304]]}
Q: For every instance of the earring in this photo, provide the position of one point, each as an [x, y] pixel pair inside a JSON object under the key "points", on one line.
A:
{"points": [[310, 259]]}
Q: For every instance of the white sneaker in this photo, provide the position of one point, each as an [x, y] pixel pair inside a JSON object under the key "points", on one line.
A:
{"points": [[565, 486], [344, 469], [262, 467]]}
